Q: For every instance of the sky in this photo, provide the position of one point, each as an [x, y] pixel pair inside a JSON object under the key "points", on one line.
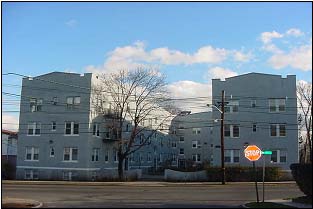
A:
{"points": [[190, 43]]}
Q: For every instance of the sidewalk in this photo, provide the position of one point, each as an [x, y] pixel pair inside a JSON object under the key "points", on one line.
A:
{"points": [[290, 203], [8, 202]]}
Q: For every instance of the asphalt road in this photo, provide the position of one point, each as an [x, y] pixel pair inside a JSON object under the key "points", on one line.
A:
{"points": [[147, 196]]}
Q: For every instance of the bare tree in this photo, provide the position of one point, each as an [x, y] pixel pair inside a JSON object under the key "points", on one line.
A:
{"points": [[130, 97], [304, 95]]}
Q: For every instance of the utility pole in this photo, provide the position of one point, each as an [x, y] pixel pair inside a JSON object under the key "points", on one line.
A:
{"points": [[222, 138]]}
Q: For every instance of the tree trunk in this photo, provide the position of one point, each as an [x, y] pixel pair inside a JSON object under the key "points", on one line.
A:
{"points": [[120, 168]]}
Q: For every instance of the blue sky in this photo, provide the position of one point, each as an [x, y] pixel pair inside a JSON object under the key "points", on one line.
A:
{"points": [[191, 43]]}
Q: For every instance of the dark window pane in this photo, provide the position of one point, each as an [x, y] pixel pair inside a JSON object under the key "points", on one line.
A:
{"points": [[76, 128], [74, 154], [273, 130]]}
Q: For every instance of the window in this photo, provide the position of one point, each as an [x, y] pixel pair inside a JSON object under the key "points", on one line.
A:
{"points": [[150, 122], [70, 154], [149, 157], [254, 127], [53, 126], [231, 131], [253, 103], [232, 106], [160, 157], [35, 105], [95, 154], [72, 102], [127, 127], [277, 105], [174, 144], [71, 128], [51, 151], [32, 154], [106, 156], [196, 130], [115, 155], [31, 175], [279, 156], [181, 151], [231, 156], [95, 129], [181, 139], [155, 120], [69, 175], [174, 157], [194, 144], [278, 130], [55, 100], [34, 129]]}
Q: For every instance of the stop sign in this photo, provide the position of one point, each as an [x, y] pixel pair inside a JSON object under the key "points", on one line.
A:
{"points": [[253, 153]]}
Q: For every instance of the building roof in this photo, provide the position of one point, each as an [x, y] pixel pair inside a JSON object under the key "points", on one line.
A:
{"points": [[253, 74], [8, 132]]}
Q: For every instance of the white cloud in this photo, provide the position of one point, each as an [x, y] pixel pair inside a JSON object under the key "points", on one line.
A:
{"points": [[299, 58], [267, 37], [208, 54], [135, 55], [294, 32], [71, 23], [191, 89], [241, 57], [220, 73], [9, 122], [272, 48]]}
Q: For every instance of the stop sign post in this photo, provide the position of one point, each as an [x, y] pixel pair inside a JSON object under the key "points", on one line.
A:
{"points": [[253, 153]]}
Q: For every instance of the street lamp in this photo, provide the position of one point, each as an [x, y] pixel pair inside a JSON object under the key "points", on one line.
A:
{"points": [[222, 138]]}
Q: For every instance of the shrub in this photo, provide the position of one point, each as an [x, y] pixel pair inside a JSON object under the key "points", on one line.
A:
{"points": [[240, 173], [302, 173]]}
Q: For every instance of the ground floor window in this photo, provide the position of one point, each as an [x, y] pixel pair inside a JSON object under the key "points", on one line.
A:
{"points": [[279, 156], [69, 175], [31, 175]]}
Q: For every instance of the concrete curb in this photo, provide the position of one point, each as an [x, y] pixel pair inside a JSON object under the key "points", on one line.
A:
{"points": [[284, 202], [36, 204], [40, 204]]}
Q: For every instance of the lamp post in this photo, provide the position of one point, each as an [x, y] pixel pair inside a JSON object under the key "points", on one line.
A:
{"points": [[222, 136]]}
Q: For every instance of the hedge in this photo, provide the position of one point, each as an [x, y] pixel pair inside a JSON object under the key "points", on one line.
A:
{"points": [[240, 173], [302, 173]]}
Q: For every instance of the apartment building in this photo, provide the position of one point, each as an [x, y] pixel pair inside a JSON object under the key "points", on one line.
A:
{"points": [[260, 109], [192, 138], [62, 138]]}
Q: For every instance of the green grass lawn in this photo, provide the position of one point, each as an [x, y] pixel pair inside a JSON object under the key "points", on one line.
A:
{"points": [[267, 205]]}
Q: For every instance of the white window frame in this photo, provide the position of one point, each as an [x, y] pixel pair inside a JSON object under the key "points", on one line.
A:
{"points": [[115, 155], [232, 156], [36, 104], [183, 151], [276, 102], [95, 130], [53, 126], [95, 155], [231, 105], [174, 144], [72, 128], [72, 102], [196, 131], [52, 150], [194, 142], [34, 126], [278, 155], [278, 126], [106, 156], [31, 174], [149, 157], [253, 103], [254, 127], [231, 127], [33, 151], [70, 154]]}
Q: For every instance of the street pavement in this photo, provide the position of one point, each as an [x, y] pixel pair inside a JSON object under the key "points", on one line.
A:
{"points": [[145, 194]]}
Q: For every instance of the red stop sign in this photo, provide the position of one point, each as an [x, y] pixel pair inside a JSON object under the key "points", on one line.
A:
{"points": [[253, 153]]}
